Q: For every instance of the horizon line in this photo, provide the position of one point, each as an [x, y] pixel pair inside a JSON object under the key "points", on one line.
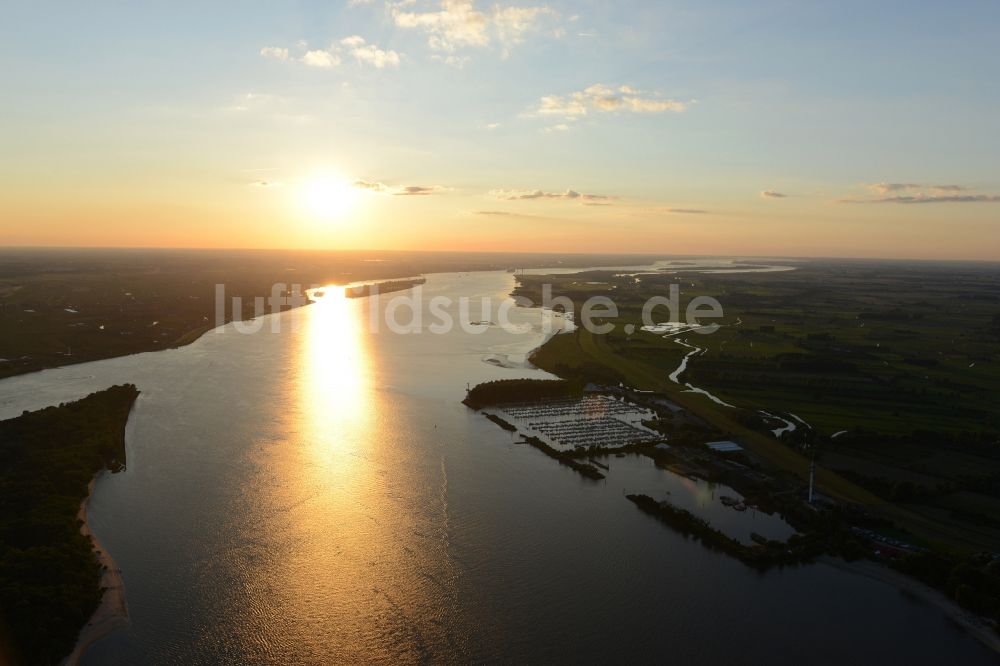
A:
{"points": [[814, 257]]}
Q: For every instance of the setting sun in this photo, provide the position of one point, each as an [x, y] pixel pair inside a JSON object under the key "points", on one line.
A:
{"points": [[327, 197]]}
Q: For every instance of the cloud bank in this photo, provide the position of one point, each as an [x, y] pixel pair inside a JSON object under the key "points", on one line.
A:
{"points": [[458, 24], [916, 193], [568, 195], [889, 188], [927, 199]]}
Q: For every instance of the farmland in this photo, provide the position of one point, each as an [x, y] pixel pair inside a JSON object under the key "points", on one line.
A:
{"points": [[889, 369]]}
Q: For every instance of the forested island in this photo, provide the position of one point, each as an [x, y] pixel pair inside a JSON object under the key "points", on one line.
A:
{"points": [[507, 391], [49, 573], [366, 290]]}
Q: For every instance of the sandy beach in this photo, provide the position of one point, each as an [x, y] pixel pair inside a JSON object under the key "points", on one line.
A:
{"points": [[969, 621], [112, 613]]}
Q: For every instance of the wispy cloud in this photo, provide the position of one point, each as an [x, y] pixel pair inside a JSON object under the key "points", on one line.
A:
{"points": [[452, 26], [418, 190], [354, 46], [889, 188], [685, 211], [568, 195], [320, 58], [401, 191], [370, 186], [916, 193], [513, 23], [370, 54], [452, 60], [276, 52], [771, 194], [606, 99], [929, 198], [459, 24], [509, 214]]}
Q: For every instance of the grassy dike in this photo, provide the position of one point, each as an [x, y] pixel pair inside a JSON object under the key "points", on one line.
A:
{"points": [[49, 574]]}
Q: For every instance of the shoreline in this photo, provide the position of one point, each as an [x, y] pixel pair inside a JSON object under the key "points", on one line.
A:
{"points": [[967, 620], [112, 613], [193, 335]]}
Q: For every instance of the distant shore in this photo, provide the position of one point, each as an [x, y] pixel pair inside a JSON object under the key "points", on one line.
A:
{"points": [[112, 613], [964, 618], [193, 334]]}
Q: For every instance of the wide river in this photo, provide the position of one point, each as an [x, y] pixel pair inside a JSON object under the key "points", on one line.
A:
{"points": [[319, 495]]}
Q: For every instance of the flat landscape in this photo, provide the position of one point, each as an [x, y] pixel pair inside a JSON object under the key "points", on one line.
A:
{"points": [[60, 307], [483, 331], [887, 370]]}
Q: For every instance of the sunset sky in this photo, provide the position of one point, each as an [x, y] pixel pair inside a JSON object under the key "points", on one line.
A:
{"points": [[772, 128]]}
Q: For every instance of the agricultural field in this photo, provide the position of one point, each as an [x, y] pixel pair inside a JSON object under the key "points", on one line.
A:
{"points": [[888, 371]]}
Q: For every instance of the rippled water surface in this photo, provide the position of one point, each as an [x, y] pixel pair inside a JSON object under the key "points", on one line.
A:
{"points": [[320, 495]]}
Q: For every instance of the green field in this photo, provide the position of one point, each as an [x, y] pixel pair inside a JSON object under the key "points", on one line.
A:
{"points": [[903, 356]]}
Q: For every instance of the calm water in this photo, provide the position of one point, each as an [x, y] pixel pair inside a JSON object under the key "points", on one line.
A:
{"points": [[321, 496], [639, 474]]}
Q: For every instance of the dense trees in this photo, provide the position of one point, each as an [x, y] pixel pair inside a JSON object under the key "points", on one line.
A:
{"points": [[519, 390], [49, 577], [973, 582]]}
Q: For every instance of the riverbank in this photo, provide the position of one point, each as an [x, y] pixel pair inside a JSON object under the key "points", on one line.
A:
{"points": [[70, 306], [55, 575], [112, 613], [971, 622]]}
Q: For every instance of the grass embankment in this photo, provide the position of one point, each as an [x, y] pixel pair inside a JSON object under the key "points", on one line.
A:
{"points": [[49, 575]]}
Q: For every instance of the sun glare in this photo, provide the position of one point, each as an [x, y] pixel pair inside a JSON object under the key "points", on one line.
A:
{"points": [[327, 197]]}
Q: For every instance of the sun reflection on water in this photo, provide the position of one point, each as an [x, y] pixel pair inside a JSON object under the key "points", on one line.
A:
{"points": [[335, 370], [360, 541]]}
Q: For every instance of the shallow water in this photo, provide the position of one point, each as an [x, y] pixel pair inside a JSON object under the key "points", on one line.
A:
{"points": [[320, 495], [636, 474]]}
